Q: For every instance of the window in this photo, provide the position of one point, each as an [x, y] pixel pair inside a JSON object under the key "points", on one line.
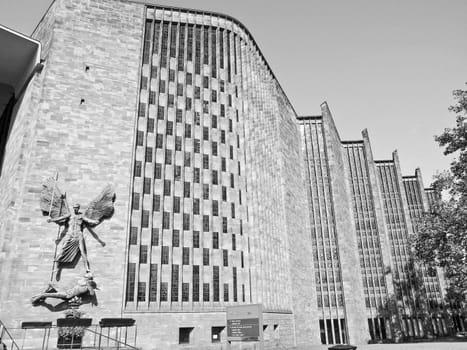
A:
{"points": [[141, 291], [216, 334], [178, 143], [234, 242], [197, 118], [146, 186], [143, 254], [213, 95], [225, 257], [188, 103], [177, 173], [176, 238], [214, 121], [197, 145], [205, 291], [153, 282], [215, 208], [206, 82], [166, 220], [215, 283], [186, 222], [133, 235], [142, 110], [130, 287], [205, 223], [155, 237], [148, 156], [179, 89], [205, 161], [138, 169], [230, 102], [184, 335], [232, 209], [206, 256], [215, 240], [226, 292], [241, 259], [234, 280], [165, 255], [231, 152], [171, 75], [196, 175], [139, 138], [186, 256], [195, 239], [232, 183], [223, 164], [170, 128], [224, 225], [167, 186], [224, 193], [195, 282], [186, 189], [197, 92], [187, 161], [195, 206], [135, 201], [187, 130], [222, 110], [168, 156], [158, 171], [159, 140], [160, 112], [189, 77], [214, 148], [222, 136], [178, 115], [145, 219], [174, 294], [185, 291]]}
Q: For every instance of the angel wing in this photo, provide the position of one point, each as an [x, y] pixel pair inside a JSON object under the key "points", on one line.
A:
{"points": [[102, 207], [53, 202]]}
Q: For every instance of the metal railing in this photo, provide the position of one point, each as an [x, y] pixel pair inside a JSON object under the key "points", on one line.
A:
{"points": [[6, 340], [88, 338]]}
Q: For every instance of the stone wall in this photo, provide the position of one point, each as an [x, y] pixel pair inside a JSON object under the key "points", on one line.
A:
{"points": [[76, 118]]}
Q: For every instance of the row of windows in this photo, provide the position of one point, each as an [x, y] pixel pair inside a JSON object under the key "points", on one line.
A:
{"points": [[220, 42], [152, 295], [136, 199], [143, 254], [186, 221]]}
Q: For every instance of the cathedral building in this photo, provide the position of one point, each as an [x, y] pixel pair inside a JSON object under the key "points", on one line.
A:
{"points": [[224, 195]]}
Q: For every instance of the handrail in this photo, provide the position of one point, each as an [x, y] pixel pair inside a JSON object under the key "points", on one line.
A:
{"points": [[4, 330], [111, 339]]}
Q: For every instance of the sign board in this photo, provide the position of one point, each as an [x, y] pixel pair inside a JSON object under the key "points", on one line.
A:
{"points": [[244, 322]]}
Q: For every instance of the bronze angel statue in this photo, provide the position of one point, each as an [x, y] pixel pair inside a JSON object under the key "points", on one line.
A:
{"points": [[53, 204]]}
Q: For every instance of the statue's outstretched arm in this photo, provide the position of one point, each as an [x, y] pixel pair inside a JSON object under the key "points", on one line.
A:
{"points": [[60, 218], [96, 237]]}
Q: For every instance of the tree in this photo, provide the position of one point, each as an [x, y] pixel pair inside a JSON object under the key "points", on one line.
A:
{"points": [[441, 238]]}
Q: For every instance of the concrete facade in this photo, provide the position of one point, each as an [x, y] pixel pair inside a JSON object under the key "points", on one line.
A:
{"points": [[224, 195]]}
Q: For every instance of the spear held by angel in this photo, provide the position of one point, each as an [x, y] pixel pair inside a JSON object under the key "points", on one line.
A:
{"points": [[53, 204]]}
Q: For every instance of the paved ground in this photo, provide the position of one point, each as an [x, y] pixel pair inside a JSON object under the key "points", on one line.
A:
{"points": [[411, 346]]}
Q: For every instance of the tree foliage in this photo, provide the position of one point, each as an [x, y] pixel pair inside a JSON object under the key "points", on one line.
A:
{"points": [[441, 238]]}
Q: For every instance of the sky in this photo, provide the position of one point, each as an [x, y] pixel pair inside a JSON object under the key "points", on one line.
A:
{"points": [[388, 66]]}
